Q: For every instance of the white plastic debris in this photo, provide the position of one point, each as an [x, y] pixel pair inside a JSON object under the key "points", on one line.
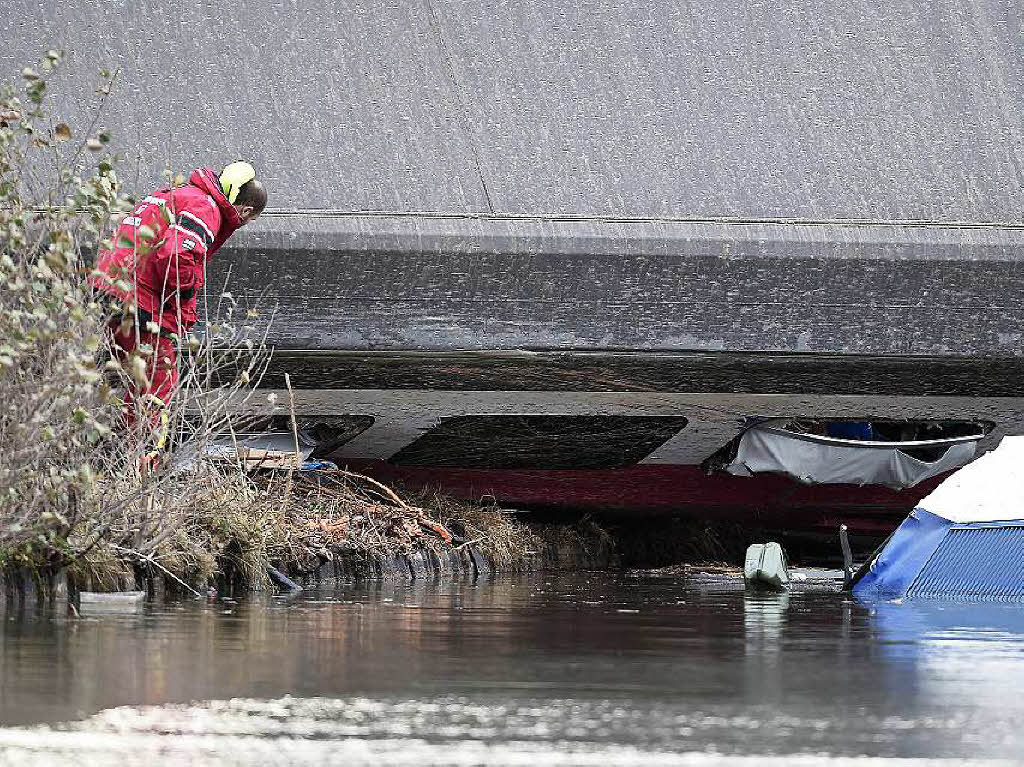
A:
{"points": [[765, 565], [114, 602]]}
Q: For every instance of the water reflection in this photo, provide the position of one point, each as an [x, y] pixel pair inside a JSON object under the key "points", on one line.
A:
{"points": [[657, 665], [764, 618], [964, 654]]}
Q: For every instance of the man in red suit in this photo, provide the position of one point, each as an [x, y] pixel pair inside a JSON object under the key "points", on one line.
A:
{"points": [[157, 267]]}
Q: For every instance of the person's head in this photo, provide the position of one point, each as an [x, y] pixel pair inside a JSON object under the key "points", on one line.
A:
{"points": [[244, 192]]}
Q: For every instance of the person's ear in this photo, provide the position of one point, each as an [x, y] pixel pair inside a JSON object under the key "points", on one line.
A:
{"points": [[245, 212]]}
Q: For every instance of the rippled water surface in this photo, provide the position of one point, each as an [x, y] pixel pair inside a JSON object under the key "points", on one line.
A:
{"points": [[583, 669]]}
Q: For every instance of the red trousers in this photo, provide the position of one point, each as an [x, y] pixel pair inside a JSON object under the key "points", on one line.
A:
{"points": [[161, 367]]}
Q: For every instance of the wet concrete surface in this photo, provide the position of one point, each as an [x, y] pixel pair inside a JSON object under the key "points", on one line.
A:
{"points": [[591, 668]]}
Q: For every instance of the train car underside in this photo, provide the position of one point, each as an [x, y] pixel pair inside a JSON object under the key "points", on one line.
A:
{"points": [[588, 433]]}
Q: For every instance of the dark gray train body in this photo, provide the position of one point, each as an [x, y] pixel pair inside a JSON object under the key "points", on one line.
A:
{"points": [[706, 210]]}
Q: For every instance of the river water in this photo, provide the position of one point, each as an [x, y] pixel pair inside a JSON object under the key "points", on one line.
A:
{"points": [[587, 669]]}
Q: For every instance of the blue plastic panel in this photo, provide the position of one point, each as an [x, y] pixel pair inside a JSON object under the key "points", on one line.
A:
{"points": [[975, 562], [904, 555]]}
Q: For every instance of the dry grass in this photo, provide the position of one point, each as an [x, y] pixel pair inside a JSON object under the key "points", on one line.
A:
{"points": [[499, 534], [206, 519], [234, 524], [332, 511]]}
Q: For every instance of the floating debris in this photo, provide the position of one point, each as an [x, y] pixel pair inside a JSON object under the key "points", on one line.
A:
{"points": [[114, 602], [765, 565]]}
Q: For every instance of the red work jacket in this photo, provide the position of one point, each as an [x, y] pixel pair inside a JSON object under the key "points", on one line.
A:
{"points": [[164, 266]]}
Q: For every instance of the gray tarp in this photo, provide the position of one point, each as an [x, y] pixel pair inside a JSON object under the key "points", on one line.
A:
{"points": [[817, 460]]}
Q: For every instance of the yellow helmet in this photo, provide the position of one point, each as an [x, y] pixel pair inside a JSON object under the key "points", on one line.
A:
{"points": [[234, 177]]}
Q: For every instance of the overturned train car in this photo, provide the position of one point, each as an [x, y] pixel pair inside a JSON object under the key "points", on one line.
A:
{"points": [[551, 373], [749, 261]]}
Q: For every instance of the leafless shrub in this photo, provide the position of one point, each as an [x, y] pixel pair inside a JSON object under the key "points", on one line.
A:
{"points": [[74, 482]]}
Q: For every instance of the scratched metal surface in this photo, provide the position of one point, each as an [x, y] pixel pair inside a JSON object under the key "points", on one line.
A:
{"points": [[804, 108], [356, 282], [526, 132]]}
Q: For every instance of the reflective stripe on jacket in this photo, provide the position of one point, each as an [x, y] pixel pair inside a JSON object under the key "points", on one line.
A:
{"points": [[160, 249]]}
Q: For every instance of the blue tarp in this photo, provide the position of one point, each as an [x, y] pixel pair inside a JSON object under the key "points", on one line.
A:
{"points": [[904, 555], [932, 557]]}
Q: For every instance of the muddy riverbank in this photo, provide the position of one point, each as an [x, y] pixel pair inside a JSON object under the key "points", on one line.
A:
{"points": [[285, 531], [312, 545], [501, 545]]}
